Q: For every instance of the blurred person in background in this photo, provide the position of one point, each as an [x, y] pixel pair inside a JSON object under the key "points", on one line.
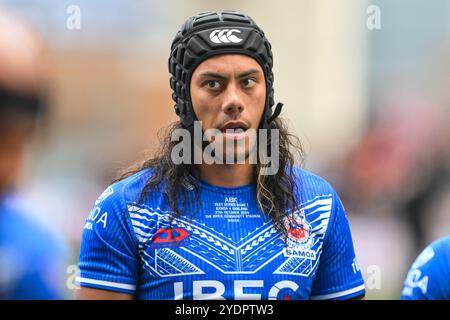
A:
{"points": [[31, 256], [429, 276], [400, 166]]}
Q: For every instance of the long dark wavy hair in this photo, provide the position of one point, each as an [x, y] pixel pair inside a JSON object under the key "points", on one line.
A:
{"points": [[275, 194]]}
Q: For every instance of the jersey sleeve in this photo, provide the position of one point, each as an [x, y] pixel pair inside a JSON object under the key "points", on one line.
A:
{"points": [[108, 252], [338, 275], [429, 275]]}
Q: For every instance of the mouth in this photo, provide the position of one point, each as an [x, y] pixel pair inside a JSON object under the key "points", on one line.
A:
{"points": [[234, 130], [234, 126]]}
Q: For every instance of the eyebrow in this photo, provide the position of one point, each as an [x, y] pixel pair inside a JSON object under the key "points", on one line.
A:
{"points": [[247, 73], [221, 77]]}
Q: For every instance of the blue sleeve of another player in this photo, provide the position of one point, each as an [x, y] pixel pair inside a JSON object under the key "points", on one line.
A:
{"points": [[44, 275], [429, 276], [338, 275], [108, 253]]}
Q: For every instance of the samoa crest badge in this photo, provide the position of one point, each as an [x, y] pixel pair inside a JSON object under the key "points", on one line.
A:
{"points": [[299, 238]]}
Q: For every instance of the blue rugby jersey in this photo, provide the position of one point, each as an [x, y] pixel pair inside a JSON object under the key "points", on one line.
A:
{"points": [[32, 258], [224, 247], [429, 276]]}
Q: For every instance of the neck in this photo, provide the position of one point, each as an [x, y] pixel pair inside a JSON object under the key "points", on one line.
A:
{"points": [[227, 175]]}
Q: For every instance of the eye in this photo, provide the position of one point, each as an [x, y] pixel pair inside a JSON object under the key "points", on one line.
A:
{"points": [[212, 84], [248, 83]]}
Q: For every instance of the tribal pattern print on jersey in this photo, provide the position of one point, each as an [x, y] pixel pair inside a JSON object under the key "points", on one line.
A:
{"points": [[224, 247]]}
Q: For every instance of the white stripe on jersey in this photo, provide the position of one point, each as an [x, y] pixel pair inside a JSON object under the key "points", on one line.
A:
{"points": [[106, 283], [338, 294]]}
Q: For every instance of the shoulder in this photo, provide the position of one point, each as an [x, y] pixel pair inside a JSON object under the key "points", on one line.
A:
{"points": [[126, 190], [442, 247], [311, 186], [424, 279], [318, 200], [435, 256], [110, 214], [438, 255], [114, 203]]}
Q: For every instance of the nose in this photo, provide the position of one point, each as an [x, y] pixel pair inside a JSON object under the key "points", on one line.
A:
{"points": [[232, 103]]}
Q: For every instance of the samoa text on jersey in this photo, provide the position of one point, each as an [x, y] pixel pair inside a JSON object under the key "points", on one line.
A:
{"points": [[221, 247]]}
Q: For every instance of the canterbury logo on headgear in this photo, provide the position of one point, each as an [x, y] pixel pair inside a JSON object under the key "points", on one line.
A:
{"points": [[224, 36]]}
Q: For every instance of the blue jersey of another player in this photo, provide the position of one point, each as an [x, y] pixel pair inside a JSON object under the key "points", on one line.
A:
{"points": [[31, 258], [429, 276], [222, 247]]}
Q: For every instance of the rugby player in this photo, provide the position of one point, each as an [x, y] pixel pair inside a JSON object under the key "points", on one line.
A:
{"points": [[429, 276], [212, 229], [32, 257]]}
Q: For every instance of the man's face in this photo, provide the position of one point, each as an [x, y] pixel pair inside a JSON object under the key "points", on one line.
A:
{"points": [[228, 93]]}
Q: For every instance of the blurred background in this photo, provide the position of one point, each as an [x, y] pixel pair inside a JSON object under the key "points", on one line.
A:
{"points": [[364, 83]]}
